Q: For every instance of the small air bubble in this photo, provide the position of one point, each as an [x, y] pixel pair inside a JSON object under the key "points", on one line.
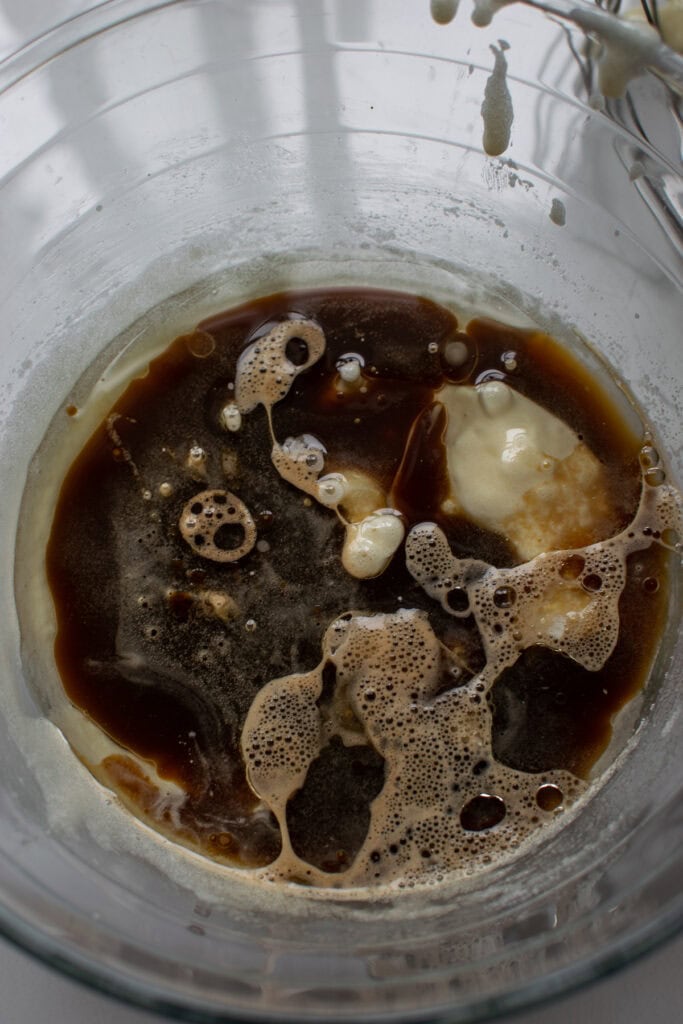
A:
{"points": [[296, 351], [349, 367], [655, 477], [504, 597], [456, 353], [200, 344], [458, 601], [549, 797], [482, 812], [230, 418], [649, 456]]}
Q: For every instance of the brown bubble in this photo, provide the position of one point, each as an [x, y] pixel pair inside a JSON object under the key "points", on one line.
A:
{"points": [[655, 476], [296, 350], [180, 602], [458, 601], [482, 812], [549, 797], [572, 567], [504, 597], [649, 457], [200, 344]]}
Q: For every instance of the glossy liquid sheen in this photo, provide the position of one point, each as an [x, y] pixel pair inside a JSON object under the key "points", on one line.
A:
{"points": [[166, 647]]}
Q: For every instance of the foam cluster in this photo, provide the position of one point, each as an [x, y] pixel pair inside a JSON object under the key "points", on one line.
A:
{"points": [[446, 804], [299, 461], [265, 372], [565, 600], [264, 376], [211, 514], [420, 790]]}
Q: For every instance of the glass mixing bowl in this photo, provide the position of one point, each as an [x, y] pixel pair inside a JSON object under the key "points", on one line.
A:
{"points": [[163, 161]]}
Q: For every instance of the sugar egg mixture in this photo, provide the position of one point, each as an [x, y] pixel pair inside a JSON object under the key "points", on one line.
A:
{"points": [[355, 590]]}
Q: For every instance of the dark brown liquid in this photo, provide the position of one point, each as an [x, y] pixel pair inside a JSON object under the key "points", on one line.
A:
{"points": [[136, 648]]}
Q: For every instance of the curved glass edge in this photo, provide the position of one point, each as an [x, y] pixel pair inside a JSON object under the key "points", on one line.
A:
{"points": [[124, 989], [589, 15], [70, 32], [537, 993]]}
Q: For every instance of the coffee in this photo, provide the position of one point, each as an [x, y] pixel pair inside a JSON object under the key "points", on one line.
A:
{"points": [[363, 585]]}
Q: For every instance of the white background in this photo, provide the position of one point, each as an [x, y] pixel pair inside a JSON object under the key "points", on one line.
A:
{"points": [[650, 990]]}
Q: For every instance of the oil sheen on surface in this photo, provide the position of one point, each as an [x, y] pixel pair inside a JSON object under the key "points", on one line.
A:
{"points": [[238, 609]]}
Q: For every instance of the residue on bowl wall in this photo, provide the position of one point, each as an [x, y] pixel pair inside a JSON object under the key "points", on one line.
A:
{"points": [[558, 213], [484, 10], [496, 110], [628, 44], [443, 11]]}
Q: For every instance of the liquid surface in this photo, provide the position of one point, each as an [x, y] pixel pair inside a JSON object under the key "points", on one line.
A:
{"points": [[367, 585]]}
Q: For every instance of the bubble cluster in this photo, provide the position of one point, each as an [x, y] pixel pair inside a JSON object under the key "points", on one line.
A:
{"points": [[390, 763], [218, 526], [264, 375], [446, 803], [265, 371], [300, 461], [565, 600]]}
